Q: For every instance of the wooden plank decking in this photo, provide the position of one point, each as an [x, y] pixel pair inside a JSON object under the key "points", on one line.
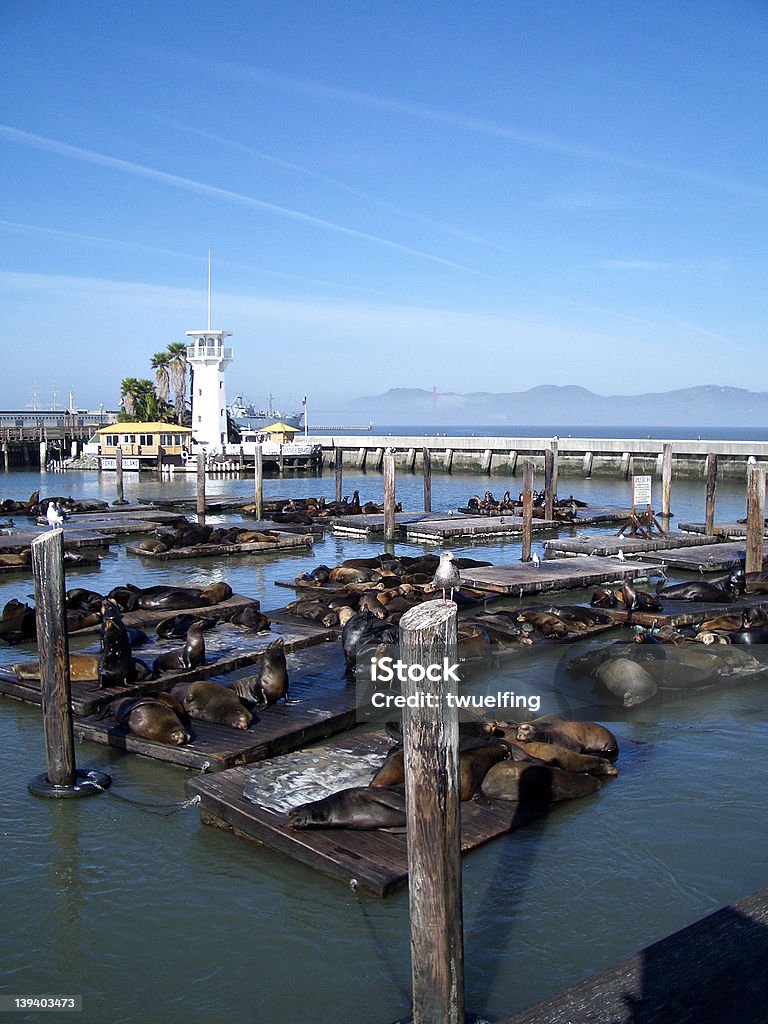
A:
{"points": [[325, 705], [606, 546], [732, 531], [710, 972], [553, 574], [74, 539], [703, 557], [377, 860], [439, 531]]}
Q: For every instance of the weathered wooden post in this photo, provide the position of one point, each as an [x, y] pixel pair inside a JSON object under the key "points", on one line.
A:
{"points": [[711, 491], [427, 456], [549, 494], [527, 510], [666, 483], [339, 473], [43, 456], [62, 778], [120, 499], [6, 460], [755, 519], [241, 460], [554, 448], [431, 749], [201, 486], [389, 497], [258, 475]]}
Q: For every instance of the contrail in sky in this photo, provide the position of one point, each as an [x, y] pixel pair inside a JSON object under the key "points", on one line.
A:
{"points": [[188, 184]]}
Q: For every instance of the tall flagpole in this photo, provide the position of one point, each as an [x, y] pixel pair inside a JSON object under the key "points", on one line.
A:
{"points": [[209, 288], [304, 403]]}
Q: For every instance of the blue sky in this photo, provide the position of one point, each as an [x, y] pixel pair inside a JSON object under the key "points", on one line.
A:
{"points": [[475, 196]]}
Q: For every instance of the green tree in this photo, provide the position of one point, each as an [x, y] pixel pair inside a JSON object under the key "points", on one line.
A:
{"points": [[141, 403], [160, 361], [177, 366]]}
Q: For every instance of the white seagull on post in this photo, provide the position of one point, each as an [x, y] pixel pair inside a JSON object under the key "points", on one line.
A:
{"points": [[447, 576], [53, 515]]}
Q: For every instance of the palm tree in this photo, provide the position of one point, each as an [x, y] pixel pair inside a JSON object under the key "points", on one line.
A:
{"points": [[141, 403], [129, 387], [160, 361], [177, 366]]}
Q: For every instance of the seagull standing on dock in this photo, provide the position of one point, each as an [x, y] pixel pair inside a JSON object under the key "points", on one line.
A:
{"points": [[620, 555], [447, 576], [53, 515], [536, 560]]}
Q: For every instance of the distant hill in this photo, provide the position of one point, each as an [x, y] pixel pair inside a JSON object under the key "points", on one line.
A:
{"points": [[703, 406]]}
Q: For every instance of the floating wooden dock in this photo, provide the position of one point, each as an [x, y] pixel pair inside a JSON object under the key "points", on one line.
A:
{"points": [[687, 613], [376, 860], [365, 526], [74, 539], [607, 546], [732, 531], [325, 704], [479, 528], [283, 542], [521, 578], [703, 557], [227, 650], [710, 972]]}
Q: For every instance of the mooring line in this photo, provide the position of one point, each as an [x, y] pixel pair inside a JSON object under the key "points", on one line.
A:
{"points": [[385, 956], [149, 805]]}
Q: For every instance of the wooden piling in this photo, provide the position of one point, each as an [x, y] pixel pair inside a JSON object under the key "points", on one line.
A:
{"points": [[549, 494], [427, 480], [554, 445], [755, 519], [258, 476], [666, 480], [709, 529], [120, 497], [53, 649], [160, 453], [389, 497], [241, 460], [430, 741], [527, 510], [339, 473], [201, 486], [6, 461], [43, 456]]}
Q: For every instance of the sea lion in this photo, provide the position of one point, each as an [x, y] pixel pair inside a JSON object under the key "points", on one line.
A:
{"points": [[83, 668], [116, 664], [758, 635], [271, 684], [728, 589], [250, 618], [569, 760], [360, 807], [212, 702], [152, 718], [627, 680], [363, 630], [537, 784], [583, 737], [177, 625], [475, 760], [216, 593], [159, 598], [189, 656], [543, 622]]}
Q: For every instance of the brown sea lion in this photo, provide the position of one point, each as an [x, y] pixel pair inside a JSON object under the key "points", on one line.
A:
{"points": [[212, 702], [359, 807], [583, 737], [631, 682], [250, 618], [153, 546], [152, 718], [569, 760], [537, 784], [189, 656], [177, 625], [271, 682], [116, 663], [82, 668], [544, 622], [217, 592]]}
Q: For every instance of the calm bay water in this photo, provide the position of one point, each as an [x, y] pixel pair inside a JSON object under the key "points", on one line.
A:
{"points": [[154, 917]]}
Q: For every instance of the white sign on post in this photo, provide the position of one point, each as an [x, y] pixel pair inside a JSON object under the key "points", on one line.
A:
{"points": [[641, 491]]}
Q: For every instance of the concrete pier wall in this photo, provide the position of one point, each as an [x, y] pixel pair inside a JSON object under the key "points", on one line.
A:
{"points": [[577, 457]]}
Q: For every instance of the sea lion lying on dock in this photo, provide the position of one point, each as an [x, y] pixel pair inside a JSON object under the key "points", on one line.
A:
{"points": [[583, 737], [359, 807], [213, 702], [157, 717]]}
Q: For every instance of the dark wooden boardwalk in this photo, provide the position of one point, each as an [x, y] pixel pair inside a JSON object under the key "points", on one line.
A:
{"points": [[703, 557], [325, 704], [713, 971], [376, 860], [521, 578], [449, 528], [227, 650], [606, 546], [732, 531]]}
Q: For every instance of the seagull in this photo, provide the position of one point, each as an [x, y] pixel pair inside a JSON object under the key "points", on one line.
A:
{"points": [[535, 559], [620, 555], [54, 516], [447, 576]]}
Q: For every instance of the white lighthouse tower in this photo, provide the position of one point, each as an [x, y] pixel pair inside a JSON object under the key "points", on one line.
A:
{"points": [[209, 359]]}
